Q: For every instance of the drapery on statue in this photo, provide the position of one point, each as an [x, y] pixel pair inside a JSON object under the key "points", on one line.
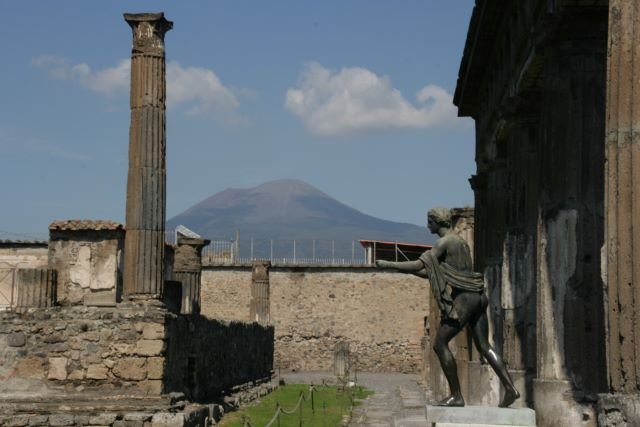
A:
{"points": [[459, 293]]}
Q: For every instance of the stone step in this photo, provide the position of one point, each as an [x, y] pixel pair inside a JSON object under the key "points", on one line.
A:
{"points": [[87, 403], [479, 416]]}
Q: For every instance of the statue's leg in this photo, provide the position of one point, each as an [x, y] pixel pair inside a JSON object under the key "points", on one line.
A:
{"points": [[465, 305], [448, 329], [479, 327]]}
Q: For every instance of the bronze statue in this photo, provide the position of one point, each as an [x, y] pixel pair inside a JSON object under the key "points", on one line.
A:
{"points": [[459, 293]]}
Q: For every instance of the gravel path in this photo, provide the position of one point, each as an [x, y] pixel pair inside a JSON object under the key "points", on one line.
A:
{"points": [[398, 400]]}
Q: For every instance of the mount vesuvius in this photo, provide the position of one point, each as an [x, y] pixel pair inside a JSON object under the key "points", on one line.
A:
{"points": [[289, 209]]}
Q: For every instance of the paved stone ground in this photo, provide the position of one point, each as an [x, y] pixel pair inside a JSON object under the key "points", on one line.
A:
{"points": [[398, 400]]}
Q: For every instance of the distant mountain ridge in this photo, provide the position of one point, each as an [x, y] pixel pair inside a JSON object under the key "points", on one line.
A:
{"points": [[289, 209]]}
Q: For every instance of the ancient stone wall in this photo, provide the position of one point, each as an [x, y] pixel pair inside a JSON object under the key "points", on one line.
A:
{"points": [[87, 256], [131, 350], [79, 349], [381, 314], [16, 255], [23, 254], [208, 358]]}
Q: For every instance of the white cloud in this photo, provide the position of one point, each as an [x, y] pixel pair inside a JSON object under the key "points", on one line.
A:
{"points": [[356, 99], [200, 87], [198, 90], [109, 81]]}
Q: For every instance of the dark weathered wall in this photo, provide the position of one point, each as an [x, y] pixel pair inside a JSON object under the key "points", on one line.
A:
{"points": [[207, 358], [533, 78]]}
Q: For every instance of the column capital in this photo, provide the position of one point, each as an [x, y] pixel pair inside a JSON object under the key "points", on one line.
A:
{"points": [[148, 32]]}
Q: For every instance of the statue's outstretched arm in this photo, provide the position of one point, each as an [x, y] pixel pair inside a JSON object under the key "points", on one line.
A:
{"points": [[404, 267]]}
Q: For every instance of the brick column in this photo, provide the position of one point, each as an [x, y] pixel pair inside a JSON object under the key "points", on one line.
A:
{"points": [[146, 192]]}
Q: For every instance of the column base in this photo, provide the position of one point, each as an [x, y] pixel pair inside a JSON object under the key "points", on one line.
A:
{"points": [[484, 385], [618, 409], [519, 377], [556, 406]]}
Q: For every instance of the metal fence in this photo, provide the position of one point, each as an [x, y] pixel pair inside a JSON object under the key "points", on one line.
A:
{"points": [[282, 251]]}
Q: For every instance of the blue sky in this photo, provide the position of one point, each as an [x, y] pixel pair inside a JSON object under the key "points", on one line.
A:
{"points": [[353, 97]]}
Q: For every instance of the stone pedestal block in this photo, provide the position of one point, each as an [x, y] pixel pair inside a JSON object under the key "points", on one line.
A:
{"points": [[475, 416], [618, 410], [556, 405]]}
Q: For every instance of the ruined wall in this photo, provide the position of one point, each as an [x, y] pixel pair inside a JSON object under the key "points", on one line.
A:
{"points": [[87, 256], [131, 350], [23, 255], [380, 314], [78, 349], [207, 359], [226, 293], [14, 256]]}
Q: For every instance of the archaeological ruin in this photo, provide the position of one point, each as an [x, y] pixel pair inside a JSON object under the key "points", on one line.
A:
{"points": [[108, 325], [551, 87], [101, 325]]}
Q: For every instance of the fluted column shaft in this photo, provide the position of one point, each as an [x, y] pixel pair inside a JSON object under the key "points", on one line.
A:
{"points": [[146, 183], [622, 197]]}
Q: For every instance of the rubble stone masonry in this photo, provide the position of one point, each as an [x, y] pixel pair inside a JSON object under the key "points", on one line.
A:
{"points": [[381, 314], [128, 351]]}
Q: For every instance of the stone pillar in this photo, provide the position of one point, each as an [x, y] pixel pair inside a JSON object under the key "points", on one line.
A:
{"points": [[570, 323], [259, 307], [36, 288], [146, 198], [188, 270], [621, 253], [341, 360]]}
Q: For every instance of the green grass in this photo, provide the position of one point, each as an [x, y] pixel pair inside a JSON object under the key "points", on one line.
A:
{"points": [[330, 404]]}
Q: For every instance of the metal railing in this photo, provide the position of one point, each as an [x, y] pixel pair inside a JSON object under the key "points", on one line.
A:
{"points": [[286, 252], [282, 251]]}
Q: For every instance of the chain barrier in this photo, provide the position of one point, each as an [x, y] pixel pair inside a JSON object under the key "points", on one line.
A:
{"points": [[280, 411]]}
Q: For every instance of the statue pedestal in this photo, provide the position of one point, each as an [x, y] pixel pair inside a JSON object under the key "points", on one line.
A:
{"points": [[479, 416]]}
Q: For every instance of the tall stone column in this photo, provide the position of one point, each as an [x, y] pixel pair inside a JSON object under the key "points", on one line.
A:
{"points": [[570, 232], [146, 191], [621, 250]]}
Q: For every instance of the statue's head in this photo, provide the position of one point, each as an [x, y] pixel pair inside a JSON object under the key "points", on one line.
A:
{"points": [[439, 218]]}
